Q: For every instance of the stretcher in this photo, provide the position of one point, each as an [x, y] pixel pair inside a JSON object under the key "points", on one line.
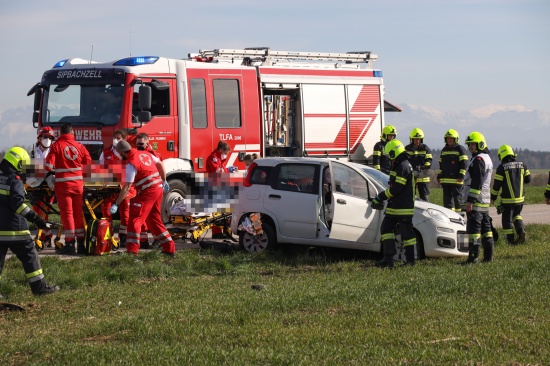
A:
{"points": [[193, 226], [94, 196]]}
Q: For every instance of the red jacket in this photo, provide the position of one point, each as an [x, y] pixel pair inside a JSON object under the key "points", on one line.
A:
{"points": [[147, 174], [67, 158], [110, 158], [215, 164]]}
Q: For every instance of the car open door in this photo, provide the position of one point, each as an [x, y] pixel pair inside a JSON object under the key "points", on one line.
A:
{"points": [[353, 218]]}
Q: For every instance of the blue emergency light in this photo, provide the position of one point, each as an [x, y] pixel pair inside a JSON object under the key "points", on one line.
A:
{"points": [[60, 63], [138, 60], [377, 73]]}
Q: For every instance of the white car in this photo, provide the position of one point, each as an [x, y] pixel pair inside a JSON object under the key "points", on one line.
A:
{"points": [[326, 202]]}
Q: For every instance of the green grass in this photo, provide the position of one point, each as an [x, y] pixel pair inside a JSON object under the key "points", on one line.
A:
{"points": [[533, 195], [312, 307]]}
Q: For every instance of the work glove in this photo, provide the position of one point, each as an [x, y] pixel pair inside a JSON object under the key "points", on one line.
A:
{"points": [[165, 187], [40, 223], [232, 169], [114, 209], [377, 203], [499, 208]]}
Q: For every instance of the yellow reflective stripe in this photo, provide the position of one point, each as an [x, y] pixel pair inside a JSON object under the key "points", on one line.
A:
{"points": [[400, 211], [377, 167], [475, 191], [4, 192], [15, 233], [387, 236], [409, 242], [507, 231], [400, 180], [495, 192], [474, 236], [462, 171], [450, 181], [509, 184], [423, 180], [488, 234], [518, 217], [513, 200], [463, 157], [479, 204], [449, 153], [388, 193], [429, 156], [376, 153], [34, 274], [498, 177], [21, 208]]}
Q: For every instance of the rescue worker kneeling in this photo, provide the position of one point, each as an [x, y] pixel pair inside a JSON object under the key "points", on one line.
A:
{"points": [[148, 174], [400, 210], [14, 230]]}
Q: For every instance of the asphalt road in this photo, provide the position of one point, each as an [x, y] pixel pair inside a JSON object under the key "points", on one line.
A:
{"points": [[531, 214]]}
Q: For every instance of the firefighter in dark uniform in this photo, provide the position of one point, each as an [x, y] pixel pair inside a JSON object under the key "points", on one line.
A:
{"points": [[452, 169], [380, 160], [510, 177], [547, 192], [420, 157], [400, 208], [477, 185], [14, 230]]}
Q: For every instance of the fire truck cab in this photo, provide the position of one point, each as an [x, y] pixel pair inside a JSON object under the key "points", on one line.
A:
{"points": [[274, 103]]}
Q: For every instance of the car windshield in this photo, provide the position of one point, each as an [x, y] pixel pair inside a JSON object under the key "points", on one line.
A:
{"points": [[376, 175], [98, 103]]}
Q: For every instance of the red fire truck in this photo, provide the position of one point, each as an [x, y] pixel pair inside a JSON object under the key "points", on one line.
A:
{"points": [[275, 103]]}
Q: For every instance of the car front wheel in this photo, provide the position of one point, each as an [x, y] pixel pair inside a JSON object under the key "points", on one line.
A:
{"points": [[258, 243]]}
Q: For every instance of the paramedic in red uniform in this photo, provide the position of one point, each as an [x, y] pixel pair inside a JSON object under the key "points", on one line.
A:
{"points": [[215, 163], [146, 172], [111, 156], [67, 158]]}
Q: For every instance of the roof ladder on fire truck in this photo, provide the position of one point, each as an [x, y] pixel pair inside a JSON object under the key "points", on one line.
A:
{"points": [[264, 54]]}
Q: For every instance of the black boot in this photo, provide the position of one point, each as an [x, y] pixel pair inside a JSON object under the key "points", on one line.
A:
{"points": [[389, 252], [68, 248], [122, 240], [410, 255], [81, 248], [41, 288], [521, 238], [488, 249], [144, 244], [510, 239], [473, 254]]}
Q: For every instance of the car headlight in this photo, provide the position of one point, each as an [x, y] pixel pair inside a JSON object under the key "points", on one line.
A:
{"points": [[438, 215]]}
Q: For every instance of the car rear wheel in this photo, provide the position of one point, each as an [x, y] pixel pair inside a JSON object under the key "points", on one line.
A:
{"points": [[258, 243]]}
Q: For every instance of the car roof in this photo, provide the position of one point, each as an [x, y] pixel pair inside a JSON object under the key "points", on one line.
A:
{"points": [[272, 161]]}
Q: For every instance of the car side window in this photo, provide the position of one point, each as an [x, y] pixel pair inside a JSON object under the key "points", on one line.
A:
{"points": [[348, 181], [296, 178], [260, 175]]}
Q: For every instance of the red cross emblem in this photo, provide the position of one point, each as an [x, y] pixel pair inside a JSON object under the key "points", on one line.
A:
{"points": [[70, 152], [145, 159]]}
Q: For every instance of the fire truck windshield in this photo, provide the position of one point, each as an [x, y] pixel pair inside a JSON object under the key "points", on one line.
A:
{"points": [[83, 104]]}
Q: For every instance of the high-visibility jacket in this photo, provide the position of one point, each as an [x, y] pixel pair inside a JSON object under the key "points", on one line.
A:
{"points": [[452, 164], [380, 160], [420, 157], [67, 158], [13, 226], [477, 182], [400, 193], [215, 163], [509, 178], [147, 175]]}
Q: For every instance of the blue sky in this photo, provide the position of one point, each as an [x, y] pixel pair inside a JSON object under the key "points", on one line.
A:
{"points": [[452, 55]]}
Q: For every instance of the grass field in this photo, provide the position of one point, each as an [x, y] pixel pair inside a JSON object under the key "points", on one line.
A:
{"points": [[297, 306]]}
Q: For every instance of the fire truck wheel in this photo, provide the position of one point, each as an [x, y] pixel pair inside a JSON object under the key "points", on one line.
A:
{"points": [[258, 243], [178, 191]]}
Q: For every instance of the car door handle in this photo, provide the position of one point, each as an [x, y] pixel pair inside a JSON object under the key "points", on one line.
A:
{"points": [[275, 196], [341, 201]]}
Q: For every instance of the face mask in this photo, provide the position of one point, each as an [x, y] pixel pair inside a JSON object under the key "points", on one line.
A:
{"points": [[115, 142], [224, 156], [141, 146], [46, 142]]}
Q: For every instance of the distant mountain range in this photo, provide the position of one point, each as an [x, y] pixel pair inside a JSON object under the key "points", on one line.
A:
{"points": [[512, 125]]}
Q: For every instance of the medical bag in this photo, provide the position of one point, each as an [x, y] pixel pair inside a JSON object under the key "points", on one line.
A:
{"points": [[99, 237]]}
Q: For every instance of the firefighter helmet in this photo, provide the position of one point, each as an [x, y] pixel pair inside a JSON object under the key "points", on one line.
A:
{"points": [[504, 151], [18, 158], [451, 133], [476, 138], [416, 133], [394, 148], [46, 131], [388, 130]]}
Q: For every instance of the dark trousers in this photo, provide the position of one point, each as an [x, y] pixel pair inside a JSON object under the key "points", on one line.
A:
{"points": [[480, 232], [24, 250], [452, 196], [387, 229], [511, 219]]}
